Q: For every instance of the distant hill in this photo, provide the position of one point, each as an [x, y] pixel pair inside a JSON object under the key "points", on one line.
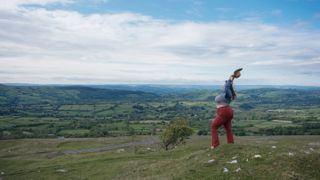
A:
{"points": [[67, 94], [173, 89], [280, 97], [263, 95]]}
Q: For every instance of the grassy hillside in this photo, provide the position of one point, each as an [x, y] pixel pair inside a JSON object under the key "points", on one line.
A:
{"points": [[285, 157]]}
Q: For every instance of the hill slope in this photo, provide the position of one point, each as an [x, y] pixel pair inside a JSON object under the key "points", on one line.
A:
{"points": [[282, 157]]}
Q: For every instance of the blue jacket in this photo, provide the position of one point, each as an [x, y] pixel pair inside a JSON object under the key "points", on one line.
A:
{"points": [[227, 95], [229, 91]]}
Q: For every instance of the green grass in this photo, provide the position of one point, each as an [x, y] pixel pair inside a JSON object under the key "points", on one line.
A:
{"points": [[74, 132], [271, 124], [247, 122], [44, 111], [43, 159], [77, 143], [258, 124]]}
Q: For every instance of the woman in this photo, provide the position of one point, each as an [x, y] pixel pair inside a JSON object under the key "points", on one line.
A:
{"points": [[224, 113]]}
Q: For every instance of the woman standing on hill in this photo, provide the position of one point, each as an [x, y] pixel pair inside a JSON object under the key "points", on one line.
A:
{"points": [[224, 112]]}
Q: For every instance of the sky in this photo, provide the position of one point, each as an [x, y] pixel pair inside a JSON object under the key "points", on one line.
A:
{"points": [[276, 42]]}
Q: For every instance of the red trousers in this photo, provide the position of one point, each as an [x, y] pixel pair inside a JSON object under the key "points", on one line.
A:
{"points": [[223, 117]]}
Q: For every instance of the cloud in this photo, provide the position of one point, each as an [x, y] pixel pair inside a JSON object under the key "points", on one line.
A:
{"points": [[12, 4], [57, 46]]}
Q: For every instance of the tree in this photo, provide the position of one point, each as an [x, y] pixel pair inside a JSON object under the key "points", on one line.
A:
{"points": [[175, 133]]}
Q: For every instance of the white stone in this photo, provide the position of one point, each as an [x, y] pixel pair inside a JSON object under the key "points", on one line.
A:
{"points": [[273, 147], [257, 156], [225, 170], [239, 169], [61, 170], [211, 161], [234, 157], [233, 162], [120, 150], [307, 152]]}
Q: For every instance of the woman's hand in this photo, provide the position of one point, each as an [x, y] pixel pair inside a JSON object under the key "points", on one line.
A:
{"points": [[231, 77], [236, 73]]}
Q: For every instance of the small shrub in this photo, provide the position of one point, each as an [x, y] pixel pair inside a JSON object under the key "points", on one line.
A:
{"points": [[175, 133]]}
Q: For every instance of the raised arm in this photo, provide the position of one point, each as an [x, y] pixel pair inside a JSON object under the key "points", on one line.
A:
{"points": [[230, 94], [228, 89]]}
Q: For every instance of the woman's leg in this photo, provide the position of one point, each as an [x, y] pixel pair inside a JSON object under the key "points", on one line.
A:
{"points": [[215, 124], [228, 126]]}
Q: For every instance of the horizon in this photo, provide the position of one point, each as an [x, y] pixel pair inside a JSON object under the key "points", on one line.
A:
{"points": [[148, 84], [160, 42]]}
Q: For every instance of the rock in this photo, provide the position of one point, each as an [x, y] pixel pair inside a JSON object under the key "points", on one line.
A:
{"points": [[290, 154], [307, 152], [225, 170], [233, 162], [120, 150], [311, 149], [237, 170], [274, 147], [149, 149], [234, 157], [61, 170], [257, 156], [247, 160], [211, 161], [314, 144], [2, 173]]}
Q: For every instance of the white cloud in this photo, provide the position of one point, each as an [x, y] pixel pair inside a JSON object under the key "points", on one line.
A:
{"points": [[12, 4], [42, 46]]}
